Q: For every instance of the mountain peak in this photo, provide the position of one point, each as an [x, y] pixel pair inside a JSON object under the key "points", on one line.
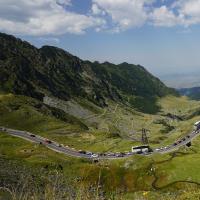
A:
{"points": [[51, 71]]}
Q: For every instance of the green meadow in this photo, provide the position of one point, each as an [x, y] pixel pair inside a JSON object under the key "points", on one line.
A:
{"points": [[117, 128]]}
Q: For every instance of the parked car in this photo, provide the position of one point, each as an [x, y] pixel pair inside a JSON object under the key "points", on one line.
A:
{"points": [[102, 154], [88, 153], [32, 135], [110, 154], [95, 156], [119, 155], [82, 152]]}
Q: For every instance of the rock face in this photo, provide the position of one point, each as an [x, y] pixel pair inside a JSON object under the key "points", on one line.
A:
{"points": [[71, 107], [50, 71]]}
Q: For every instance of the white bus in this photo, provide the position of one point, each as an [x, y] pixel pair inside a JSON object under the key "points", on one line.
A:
{"points": [[141, 149]]}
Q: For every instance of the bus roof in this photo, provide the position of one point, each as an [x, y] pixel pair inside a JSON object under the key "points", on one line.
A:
{"points": [[139, 147]]}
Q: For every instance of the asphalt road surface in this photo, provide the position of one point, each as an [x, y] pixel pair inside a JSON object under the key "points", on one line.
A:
{"points": [[89, 155], [179, 143]]}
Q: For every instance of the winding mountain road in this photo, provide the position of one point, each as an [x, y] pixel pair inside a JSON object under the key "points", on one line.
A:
{"points": [[89, 155]]}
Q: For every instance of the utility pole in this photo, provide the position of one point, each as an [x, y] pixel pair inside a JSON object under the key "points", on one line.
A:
{"points": [[144, 137]]}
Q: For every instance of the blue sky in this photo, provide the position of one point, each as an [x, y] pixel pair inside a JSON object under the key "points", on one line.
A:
{"points": [[163, 36]]}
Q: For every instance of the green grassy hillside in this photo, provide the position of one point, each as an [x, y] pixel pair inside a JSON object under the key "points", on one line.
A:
{"points": [[50, 71], [158, 176], [94, 107]]}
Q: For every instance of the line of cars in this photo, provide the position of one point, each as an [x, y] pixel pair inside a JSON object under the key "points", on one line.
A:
{"points": [[109, 154], [145, 149], [196, 131], [162, 149], [185, 138], [88, 153], [181, 140], [173, 145], [47, 141]]}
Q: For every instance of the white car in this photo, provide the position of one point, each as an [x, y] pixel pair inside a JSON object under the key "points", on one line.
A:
{"points": [[95, 156], [110, 154]]}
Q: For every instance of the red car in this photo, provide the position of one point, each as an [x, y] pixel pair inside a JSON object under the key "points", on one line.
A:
{"points": [[48, 141]]}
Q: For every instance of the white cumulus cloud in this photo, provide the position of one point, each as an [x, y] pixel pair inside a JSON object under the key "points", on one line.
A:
{"points": [[164, 17], [190, 9], [182, 12], [43, 17], [125, 14], [96, 10], [53, 17]]}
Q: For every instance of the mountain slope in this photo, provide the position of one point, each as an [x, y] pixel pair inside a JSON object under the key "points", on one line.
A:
{"points": [[50, 71], [80, 124], [193, 93]]}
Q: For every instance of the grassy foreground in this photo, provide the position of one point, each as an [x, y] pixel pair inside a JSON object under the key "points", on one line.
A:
{"points": [[171, 176]]}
